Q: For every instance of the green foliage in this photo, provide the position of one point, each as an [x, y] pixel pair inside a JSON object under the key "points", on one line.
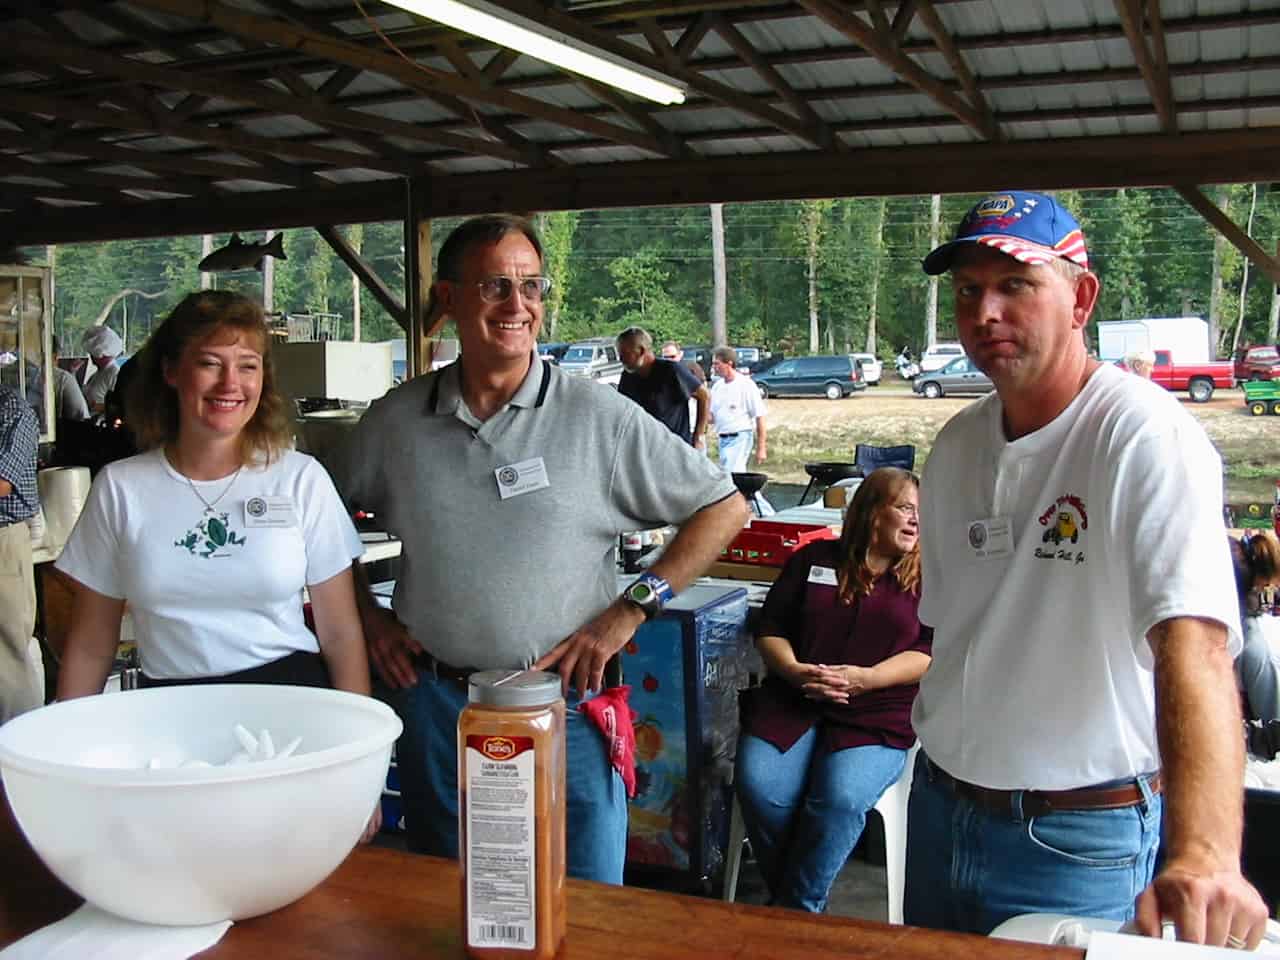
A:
{"points": [[614, 268]]}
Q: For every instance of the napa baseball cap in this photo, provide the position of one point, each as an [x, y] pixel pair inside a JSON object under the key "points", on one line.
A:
{"points": [[1030, 227]]}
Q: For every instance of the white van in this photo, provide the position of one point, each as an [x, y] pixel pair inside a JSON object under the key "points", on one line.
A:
{"points": [[940, 356]]}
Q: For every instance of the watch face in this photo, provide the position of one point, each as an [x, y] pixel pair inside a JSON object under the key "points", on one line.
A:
{"points": [[641, 592]]}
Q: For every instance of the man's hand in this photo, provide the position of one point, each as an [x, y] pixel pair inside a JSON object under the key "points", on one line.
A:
{"points": [[1214, 907], [580, 659], [761, 453], [699, 441], [391, 649]]}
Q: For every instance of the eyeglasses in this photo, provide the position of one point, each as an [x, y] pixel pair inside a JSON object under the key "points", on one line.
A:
{"points": [[670, 356], [907, 510], [498, 289]]}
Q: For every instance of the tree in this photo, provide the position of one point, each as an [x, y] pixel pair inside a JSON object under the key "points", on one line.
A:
{"points": [[719, 325], [556, 231]]}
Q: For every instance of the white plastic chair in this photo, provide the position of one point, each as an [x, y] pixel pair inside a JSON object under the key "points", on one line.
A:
{"points": [[892, 808]]}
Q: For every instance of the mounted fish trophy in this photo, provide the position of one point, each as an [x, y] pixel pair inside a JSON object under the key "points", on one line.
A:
{"points": [[238, 255]]}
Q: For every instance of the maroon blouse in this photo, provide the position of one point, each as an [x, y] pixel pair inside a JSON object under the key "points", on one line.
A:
{"points": [[823, 630]]}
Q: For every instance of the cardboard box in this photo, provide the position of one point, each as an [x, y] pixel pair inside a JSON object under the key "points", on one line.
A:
{"points": [[333, 368]]}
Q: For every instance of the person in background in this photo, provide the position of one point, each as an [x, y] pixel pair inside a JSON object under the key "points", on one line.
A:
{"points": [[829, 730], [737, 412], [103, 346], [1255, 561], [662, 387], [672, 351], [211, 534], [68, 400], [21, 667], [508, 483], [1081, 683], [1141, 362]]}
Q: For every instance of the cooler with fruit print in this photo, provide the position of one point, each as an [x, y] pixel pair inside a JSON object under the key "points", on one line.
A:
{"points": [[685, 669]]}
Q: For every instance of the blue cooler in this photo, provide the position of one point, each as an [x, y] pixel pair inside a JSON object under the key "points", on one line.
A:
{"points": [[685, 669]]}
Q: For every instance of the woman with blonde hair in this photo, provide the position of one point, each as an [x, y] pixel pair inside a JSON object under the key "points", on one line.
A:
{"points": [[829, 730], [211, 534]]}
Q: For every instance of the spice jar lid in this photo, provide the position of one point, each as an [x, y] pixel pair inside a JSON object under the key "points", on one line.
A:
{"points": [[513, 688]]}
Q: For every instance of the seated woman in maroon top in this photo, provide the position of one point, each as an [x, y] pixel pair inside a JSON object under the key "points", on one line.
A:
{"points": [[828, 731]]}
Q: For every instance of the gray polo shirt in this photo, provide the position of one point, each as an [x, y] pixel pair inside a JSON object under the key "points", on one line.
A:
{"points": [[490, 582]]}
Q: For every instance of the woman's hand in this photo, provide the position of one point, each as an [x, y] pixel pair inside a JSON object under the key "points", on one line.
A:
{"points": [[837, 684]]}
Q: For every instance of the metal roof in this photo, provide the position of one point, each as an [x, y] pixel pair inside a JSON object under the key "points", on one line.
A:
{"points": [[141, 117]]}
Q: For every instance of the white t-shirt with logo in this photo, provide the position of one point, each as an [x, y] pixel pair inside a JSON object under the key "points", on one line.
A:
{"points": [[1042, 675], [211, 593], [736, 404]]}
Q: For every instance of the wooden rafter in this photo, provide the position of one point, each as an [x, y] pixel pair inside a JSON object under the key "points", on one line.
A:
{"points": [[928, 15], [692, 36], [370, 280], [719, 92], [304, 105], [423, 79], [675, 146], [892, 57], [1227, 227], [798, 104], [902, 20], [1154, 67], [1082, 163]]}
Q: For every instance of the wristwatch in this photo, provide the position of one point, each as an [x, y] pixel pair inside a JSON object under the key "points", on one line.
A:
{"points": [[650, 593]]}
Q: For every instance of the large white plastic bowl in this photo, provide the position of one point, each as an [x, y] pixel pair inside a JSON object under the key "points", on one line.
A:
{"points": [[196, 845]]}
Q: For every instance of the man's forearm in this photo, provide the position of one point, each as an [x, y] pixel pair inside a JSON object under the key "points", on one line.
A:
{"points": [[700, 540], [1201, 746], [760, 432], [366, 603]]}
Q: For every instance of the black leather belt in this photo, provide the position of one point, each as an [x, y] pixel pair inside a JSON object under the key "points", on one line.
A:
{"points": [[1038, 803], [443, 671], [729, 436]]}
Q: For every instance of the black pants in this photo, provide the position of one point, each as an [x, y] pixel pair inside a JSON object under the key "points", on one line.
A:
{"points": [[299, 669]]}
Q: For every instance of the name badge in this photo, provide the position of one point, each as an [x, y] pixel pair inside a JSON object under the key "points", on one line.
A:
{"points": [[992, 538], [523, 477], [269, 512], [823, 575]]}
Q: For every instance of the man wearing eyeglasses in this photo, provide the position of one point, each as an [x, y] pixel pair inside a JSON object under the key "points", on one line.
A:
{"points": [[509, 482]]}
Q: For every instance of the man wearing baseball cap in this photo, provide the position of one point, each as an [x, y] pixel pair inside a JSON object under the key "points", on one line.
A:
{"points": [[1078, 583]]}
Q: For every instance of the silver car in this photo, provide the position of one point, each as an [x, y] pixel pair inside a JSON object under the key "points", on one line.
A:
{"points": [[958, 376]]}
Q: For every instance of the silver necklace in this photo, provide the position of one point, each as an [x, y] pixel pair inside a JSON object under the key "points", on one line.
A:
{"points": [[210, 504]]}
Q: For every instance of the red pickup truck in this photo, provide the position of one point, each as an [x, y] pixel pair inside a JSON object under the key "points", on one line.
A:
{"points": [[1257, 363], [1198, 379]]}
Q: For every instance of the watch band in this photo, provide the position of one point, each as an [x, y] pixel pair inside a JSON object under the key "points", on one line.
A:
{"points": [[650, 593]]}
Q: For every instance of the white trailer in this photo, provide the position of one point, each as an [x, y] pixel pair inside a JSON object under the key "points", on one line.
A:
{"points": [[1186, 338]]}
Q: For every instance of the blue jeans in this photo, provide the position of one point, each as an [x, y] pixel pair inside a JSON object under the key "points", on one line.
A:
{"points": [[804, 810], [736, 450], [970, 869], [427, 761]]}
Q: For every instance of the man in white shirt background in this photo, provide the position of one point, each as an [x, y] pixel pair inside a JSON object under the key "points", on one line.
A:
{"points": [[737, 413]]}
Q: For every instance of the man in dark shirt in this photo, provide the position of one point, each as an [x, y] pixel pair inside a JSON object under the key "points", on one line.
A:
{"points": [[662, 387]]}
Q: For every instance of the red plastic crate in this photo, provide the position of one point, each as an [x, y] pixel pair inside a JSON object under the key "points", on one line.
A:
{"points": [[770, 542]]}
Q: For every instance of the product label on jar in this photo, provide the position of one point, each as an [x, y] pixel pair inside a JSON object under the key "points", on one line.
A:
{"points": [[501, 891]]}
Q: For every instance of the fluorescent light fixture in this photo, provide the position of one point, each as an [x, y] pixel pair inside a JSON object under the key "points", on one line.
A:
{"points": [[481, 19]]}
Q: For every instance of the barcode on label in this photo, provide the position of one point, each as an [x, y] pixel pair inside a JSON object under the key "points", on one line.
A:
{"points": [[505, 932]]}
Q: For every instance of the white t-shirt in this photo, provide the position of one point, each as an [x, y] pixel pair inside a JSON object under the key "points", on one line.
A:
{"points": [[735, 404], [211, 595], [100, 384], [1041, 675]]}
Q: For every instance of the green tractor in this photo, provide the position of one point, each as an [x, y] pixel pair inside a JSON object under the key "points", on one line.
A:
{"points": [[1262, 396]]}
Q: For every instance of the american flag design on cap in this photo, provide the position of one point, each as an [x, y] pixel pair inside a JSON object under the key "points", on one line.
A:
{"points": [[1030, 227]]}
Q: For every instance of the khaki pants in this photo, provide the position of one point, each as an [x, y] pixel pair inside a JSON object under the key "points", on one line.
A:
{"points": [[21, 667]]}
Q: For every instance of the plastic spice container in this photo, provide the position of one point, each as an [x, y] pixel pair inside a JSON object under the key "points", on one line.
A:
{"points": [[511, 819]]}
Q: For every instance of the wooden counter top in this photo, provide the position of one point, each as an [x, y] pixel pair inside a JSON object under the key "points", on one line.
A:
{"points": [[386, 904]]}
